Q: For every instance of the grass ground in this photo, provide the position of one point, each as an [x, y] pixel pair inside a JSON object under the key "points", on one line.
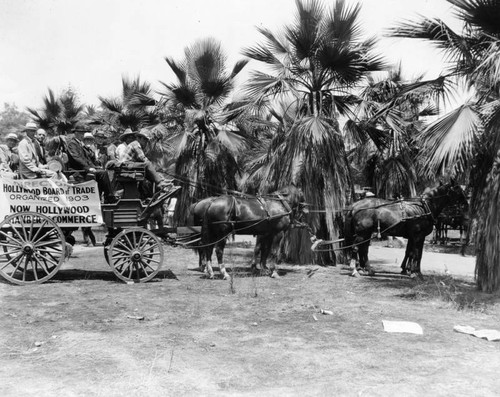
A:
{"points": [[86, 334]]}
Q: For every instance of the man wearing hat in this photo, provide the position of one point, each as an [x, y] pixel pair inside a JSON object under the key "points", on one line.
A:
{"points": [[81, 161], [9, 158], [134, 153], [126, 138], [29, 163]]}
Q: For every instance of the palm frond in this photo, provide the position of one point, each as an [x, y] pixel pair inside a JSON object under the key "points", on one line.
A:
{"points": [[482, 14], [449, 140], [304, 34], [342, 23], [178, 69], [111, 104], [238, 67]]}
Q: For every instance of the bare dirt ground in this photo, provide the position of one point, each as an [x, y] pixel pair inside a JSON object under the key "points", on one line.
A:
{"points": [[87, 334]]}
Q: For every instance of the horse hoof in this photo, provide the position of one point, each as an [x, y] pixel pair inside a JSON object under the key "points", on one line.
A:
{"points": [[371, 272], [275, 274], [355, 273], [404, 273]]}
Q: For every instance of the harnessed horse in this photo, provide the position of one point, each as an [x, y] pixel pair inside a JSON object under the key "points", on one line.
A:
{"points": [[411, 219], [264, 216]]}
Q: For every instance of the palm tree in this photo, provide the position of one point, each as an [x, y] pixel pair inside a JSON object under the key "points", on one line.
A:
{"points": [[126, 111], [58, 114], [390, 163], [465, 140], [313, 66], [206, 136]]}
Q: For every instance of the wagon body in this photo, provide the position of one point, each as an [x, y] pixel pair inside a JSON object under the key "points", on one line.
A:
{"points": [[33, 240]]}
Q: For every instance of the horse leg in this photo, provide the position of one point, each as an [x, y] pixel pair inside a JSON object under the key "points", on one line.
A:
{"points": [[265, 249], [256, 252], [362, 245], [355, 253], [207, 259], [366, 261], [406, 260], [265, 255], [419, 248], [219, 251]]}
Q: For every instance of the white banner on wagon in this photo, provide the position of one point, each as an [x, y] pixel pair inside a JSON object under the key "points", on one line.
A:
{"points": [[66, 204]]}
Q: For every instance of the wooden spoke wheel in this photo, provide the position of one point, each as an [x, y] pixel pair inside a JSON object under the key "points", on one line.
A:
{"points": [[135, 254], [33, 248]]}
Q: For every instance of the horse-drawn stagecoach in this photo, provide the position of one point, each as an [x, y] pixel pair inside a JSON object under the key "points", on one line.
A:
{"points": [[40, 214], [33, 234]]}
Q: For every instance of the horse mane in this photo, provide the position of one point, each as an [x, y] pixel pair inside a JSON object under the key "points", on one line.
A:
{"points": [[291, 193], [437, 191]]}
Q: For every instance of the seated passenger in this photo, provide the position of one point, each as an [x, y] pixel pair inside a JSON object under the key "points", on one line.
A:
{"points": [[84, 165], [125, 138], [29, 163], [9, 157], [39, 143], [134, 153]]}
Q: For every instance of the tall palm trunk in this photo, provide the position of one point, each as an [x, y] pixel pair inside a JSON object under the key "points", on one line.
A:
{"points": [[488, 236]]}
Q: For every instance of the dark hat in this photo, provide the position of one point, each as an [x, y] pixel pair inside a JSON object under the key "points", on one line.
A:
{"points": [[145, 133], [100, 134], [30, 127], [128, 132], [81, 127]]}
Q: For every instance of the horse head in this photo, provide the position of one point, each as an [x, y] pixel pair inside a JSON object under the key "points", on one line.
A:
{"points": [[295, 199], [448, 194], [456, 194]]}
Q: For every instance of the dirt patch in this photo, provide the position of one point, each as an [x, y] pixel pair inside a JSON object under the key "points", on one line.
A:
{"points": [[86, 334]]}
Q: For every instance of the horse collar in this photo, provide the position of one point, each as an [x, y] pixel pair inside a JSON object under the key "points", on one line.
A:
{"points": [[425, 204], [285, 203]]}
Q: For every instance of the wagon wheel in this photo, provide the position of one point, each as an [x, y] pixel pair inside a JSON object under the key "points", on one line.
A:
{"points": [[135, 254], [31, 254]]}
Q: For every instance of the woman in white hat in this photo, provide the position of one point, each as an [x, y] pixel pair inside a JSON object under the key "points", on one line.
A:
{"points": [[9, 158]]}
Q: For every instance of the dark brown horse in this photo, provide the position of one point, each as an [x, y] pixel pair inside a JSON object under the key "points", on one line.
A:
{"points": [[264, 216], [411, 219]]}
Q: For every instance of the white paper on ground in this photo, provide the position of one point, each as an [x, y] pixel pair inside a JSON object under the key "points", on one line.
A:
{"points": [[489, 334], [402, 326]]}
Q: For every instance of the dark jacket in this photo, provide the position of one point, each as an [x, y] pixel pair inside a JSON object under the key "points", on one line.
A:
{"points": [[78, 156]]}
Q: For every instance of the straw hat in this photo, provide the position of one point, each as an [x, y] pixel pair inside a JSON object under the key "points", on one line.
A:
{"points": [[30, 127], [12, 136]]}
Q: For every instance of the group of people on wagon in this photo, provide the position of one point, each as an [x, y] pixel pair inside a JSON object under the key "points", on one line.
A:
{"points": [[84, 154]]}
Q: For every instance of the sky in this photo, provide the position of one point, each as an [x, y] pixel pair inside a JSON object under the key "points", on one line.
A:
{"points": [[89, 44]]}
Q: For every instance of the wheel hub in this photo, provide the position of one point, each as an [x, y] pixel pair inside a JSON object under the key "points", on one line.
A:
{"points": [[28, 249], [136, 255]]}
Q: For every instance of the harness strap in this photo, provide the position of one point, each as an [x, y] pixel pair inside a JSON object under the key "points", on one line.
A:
{"points": [[264, 206]]}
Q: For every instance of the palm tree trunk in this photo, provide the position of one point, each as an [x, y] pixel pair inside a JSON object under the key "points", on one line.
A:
{"points": [[488, 236]]}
